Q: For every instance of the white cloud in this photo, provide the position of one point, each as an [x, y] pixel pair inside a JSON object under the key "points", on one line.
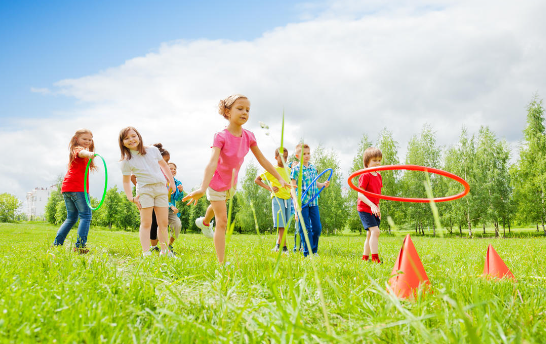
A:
{"points": [[40, 90], [350, 70]]}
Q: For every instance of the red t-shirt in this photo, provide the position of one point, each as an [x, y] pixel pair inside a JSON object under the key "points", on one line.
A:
{"points": [[73, 180], [370, 183]]}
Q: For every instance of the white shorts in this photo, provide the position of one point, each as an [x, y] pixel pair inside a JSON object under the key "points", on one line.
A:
{"points": [[213, 195], [153, 195]]}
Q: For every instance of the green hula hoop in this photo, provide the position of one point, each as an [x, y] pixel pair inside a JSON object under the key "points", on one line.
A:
{"points": [[105, 183]]}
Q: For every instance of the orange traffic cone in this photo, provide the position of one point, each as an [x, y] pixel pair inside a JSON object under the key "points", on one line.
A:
{"points": [[413, 274], [494, 265]]}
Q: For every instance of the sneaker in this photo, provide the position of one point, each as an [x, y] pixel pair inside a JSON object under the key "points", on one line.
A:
{"points": [[168, 254], [146, 254], [285, 249], [316, 255], [154, 249], [206, 230], [276, 248], [81, 250]]}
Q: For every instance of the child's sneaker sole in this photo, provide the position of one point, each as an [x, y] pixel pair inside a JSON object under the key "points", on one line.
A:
{"points": [[207, 231]]}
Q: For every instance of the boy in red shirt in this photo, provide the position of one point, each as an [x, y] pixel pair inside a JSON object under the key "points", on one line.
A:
{"points": [[368, 208]]}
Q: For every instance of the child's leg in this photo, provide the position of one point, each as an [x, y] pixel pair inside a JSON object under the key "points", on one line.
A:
{"points": [[162, 217], [209, 215], [279, 238], [84, 212], [176, 226], [145, 224], [374, 240], [220, 211], [307, 221], [367, 244], [314, 217], [71, 218]]}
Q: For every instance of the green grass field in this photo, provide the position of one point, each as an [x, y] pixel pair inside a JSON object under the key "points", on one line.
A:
{"points": [[112, 295]]}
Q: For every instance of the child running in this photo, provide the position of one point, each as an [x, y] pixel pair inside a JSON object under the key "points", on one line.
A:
{"points": [[229, 149], [310, 212], [81, 148], [368, 208], [281, 201], [150, 169]]}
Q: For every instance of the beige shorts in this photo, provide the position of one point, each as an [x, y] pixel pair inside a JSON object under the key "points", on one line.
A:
{"points": [[153, 195], [213, 195], [174, 223]]}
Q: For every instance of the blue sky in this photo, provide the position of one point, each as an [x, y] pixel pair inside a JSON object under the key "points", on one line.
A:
{"points": [[339, 69], [47, 41]]}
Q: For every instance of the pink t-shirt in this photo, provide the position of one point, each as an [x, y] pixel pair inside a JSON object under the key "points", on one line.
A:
{"points": [[232, 154]]}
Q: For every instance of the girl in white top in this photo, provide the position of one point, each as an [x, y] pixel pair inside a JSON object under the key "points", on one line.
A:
{"points": [[146, 163]]}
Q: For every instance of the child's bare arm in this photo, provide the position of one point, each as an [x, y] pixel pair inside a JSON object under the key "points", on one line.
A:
{"points": [[129, 192], [267, 165], [194, 196], [167, 172], [258, 181], [84, 153], [373, 207]]}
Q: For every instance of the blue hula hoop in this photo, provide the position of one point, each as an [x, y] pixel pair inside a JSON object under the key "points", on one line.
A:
{"points": [[313, 182]]}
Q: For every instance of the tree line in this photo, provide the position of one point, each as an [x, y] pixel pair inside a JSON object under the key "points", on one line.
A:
{"points": [[503, 194]]}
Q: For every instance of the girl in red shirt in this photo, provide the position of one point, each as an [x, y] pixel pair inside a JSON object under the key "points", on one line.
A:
{"points": [[368, 207], [81, 149]]}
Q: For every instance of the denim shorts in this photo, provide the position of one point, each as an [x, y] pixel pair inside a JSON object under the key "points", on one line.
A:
{"points": [[368, 220], [281, 211]]}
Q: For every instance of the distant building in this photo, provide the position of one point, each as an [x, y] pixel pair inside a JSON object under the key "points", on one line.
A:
{"points": [[36, 202]]}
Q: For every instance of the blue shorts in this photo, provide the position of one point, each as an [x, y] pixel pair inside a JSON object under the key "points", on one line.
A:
{"points": [[281, 211], [368, 220]]}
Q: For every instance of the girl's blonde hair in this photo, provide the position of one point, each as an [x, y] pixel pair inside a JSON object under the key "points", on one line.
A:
{"points": [[74, 144], [125, 152], [226, 104], [370, 153]]}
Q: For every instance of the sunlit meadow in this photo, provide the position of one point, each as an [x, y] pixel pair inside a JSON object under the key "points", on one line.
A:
{"points": [[113, 295]]}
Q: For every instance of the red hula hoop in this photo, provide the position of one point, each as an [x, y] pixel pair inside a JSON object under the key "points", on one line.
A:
{"points": [[410, 168]]}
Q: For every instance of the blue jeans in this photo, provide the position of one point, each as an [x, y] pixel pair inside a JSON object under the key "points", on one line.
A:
{"points": [[311, 217], [76, 206]]}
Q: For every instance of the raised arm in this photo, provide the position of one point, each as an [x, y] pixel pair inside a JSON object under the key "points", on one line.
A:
{"points": [[194, 196], [84, 153]]}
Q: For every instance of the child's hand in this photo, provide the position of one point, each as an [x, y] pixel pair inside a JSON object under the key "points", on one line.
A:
{"points": [[137, 202], [180, 188], [376, 211], [284, 184], [326, 183], [193, 197], [275, 189], [174, 209]]}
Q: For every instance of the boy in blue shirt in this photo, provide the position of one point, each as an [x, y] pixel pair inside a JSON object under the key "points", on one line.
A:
{"points": [[310, 212]]}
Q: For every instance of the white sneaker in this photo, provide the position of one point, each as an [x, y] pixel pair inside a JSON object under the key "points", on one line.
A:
{"points": [[146, 254], [168, 254], [206, 230]]}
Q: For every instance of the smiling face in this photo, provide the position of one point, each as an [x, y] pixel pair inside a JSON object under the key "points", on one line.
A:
{"points": [[173, 169], [131, 140], [239, 112], [85, 140], [374, 162]]}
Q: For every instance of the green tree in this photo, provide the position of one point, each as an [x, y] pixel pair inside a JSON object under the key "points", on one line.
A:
{"points": [[54, 198], [422, 151], [353, 220], [389, 149], [333, 207], [529, 178], [9, 206], [254, 197], [111, 208], [60, 213], [128, 216]]}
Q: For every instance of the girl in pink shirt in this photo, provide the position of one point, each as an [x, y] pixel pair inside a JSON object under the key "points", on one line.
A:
{"points": [[229, 149]]}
